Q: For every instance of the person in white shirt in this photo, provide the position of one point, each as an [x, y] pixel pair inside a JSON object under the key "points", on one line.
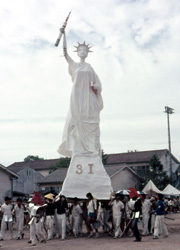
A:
{"points": [[153, 216], [92, 214], [117, 208], [83, 217], [146, 209], [36, 210], [100, 214], [107, 227], [19, 215], [76, 213], [6, 209], [129, 206]]}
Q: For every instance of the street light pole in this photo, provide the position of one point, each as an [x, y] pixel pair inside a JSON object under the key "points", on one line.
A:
{"points": [[169, 111]]}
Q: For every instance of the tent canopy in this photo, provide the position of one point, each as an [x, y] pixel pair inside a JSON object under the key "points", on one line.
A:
{"points": [[170, 190], [151, 188]]}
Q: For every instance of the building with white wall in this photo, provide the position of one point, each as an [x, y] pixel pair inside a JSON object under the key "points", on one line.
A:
{"points": [[6, 182]]}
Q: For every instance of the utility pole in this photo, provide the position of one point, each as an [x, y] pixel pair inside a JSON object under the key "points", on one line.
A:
{"points": [[169, 111]]}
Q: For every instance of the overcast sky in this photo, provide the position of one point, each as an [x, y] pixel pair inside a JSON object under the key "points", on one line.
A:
{"points": [[136, 55]]}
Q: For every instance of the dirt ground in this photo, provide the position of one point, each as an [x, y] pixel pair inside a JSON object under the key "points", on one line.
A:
{"points": [[104, 242]]}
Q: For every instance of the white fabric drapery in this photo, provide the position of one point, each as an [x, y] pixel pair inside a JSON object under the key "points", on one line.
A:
{"points": [[81, 132]]}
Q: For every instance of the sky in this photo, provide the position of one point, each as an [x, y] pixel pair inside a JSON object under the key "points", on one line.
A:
{"points": [[136, 55]]}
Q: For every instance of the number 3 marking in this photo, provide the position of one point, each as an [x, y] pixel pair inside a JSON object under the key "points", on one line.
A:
{"points": [[79, 169]]}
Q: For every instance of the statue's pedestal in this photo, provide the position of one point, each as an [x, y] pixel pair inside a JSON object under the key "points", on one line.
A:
{"points": [[87, 174]]}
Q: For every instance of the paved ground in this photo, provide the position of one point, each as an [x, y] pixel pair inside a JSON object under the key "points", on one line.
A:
{"points": [[105, 242]]}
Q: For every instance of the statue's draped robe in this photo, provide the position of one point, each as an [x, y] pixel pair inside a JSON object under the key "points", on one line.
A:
{"points": [[81, 134]]}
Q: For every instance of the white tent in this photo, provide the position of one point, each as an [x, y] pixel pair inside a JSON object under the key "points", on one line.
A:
{"points": [[151, 188], [170, 190]]}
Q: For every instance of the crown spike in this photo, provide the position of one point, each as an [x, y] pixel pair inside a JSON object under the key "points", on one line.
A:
{"points": [[83, 45]]}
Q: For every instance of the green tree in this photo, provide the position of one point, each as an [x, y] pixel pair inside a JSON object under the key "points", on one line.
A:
{"points": [[62, 163], [155, 164], [156, 174], [32, 158]]}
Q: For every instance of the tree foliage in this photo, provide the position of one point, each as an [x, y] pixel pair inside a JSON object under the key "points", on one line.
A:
{"points": [[62, 163], [155, 164], [156, 174], [32, 158]]}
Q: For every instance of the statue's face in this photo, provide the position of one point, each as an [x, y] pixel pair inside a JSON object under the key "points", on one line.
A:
{"points": [[82, 52]]}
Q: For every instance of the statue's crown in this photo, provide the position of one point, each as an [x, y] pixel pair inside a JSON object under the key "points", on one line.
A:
{"points": [[83, 45]]}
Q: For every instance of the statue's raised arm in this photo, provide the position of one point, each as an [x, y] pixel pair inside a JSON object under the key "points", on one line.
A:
{"points": [[68, 58]]}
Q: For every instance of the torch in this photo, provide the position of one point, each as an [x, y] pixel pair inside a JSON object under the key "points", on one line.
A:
{"points": [[61, 30]]}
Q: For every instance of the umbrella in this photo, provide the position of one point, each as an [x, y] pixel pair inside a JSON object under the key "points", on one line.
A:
{"points": [[133, 192], [123, 192], [141, 192]]}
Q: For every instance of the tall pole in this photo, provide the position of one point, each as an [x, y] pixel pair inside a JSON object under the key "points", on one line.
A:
{"points": [[169, 111]]}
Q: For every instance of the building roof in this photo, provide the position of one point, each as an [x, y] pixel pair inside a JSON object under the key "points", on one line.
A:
{"points": [[8, 171], [59, 175], [112, 159], [135, 157], [26, 168], [114, 169], [36, 165]]}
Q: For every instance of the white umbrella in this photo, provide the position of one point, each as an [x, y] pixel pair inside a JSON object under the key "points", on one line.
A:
{"points": [[123, 192]]}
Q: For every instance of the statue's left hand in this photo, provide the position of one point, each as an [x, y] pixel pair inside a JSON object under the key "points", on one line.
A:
{"points": [[93, 87], [94, 90]]}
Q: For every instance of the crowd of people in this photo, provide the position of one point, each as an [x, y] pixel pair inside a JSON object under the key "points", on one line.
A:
{"points": [[54, 217]]}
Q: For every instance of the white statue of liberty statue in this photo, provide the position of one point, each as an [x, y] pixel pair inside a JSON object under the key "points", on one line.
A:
{"points": [[81, 136]]}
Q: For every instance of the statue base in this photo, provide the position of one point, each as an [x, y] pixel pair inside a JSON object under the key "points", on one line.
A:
{"points": [[86, 174]]}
